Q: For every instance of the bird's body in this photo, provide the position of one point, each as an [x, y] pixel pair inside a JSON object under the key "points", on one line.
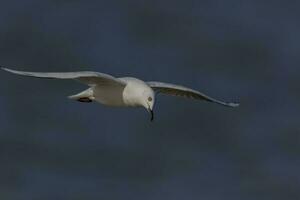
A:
{"points": [[111, 95], [125, 91]]}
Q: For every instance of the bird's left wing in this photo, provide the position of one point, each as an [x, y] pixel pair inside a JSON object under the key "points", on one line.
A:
{"points": [[86, 77], [177, 90]]}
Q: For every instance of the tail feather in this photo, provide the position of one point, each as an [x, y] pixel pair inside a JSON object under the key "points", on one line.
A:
{"points": [[85, 96]]}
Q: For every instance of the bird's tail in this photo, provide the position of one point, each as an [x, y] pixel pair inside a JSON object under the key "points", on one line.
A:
{"points": [[85, 96]]}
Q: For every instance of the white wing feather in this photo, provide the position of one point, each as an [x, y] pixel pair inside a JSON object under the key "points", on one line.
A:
{"points": [[177, 90], [86, 77]]}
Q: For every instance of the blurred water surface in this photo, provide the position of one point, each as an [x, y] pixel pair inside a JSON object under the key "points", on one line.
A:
{"points": [[247, 51]]}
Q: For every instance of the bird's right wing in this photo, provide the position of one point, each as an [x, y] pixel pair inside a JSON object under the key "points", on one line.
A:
{"points": [[86, 77], [178, 90]]}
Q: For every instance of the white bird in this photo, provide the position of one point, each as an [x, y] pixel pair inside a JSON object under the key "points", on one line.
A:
{"points": [[125, 91]]}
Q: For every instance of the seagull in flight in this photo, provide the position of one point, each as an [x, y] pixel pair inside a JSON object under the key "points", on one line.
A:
{"points": [[124, 91]]}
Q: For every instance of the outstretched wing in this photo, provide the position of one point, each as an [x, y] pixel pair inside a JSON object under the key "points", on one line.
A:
{"points": [[89, 78], [177, 90]]}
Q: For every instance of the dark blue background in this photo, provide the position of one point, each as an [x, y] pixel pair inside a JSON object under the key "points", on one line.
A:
{"points": [[247, 51]]}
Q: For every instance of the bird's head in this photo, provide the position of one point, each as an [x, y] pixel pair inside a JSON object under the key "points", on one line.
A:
{"points": [[137, 93]]}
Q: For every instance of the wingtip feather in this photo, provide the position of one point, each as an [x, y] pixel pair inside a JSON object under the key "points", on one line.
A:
{"points": [[233, 105], [7, 69], [12, 71], [4, 68]]}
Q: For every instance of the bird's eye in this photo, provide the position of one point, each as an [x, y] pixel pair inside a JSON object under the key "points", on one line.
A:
{"points": [[149, 98]]}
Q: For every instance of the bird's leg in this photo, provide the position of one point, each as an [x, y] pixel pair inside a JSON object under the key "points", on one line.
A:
{"points": [[85, 100]]}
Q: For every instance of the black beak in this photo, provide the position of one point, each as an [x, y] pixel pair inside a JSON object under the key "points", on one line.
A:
{"points": [[152, 114]]}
